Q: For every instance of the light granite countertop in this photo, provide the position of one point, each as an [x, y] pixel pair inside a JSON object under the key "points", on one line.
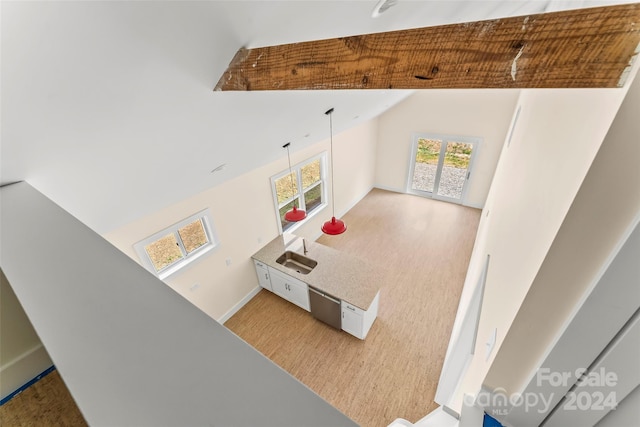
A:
{"points": [[341, 275]]}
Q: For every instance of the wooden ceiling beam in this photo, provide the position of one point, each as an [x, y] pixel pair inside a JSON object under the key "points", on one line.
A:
{"points": [[584, 48]]}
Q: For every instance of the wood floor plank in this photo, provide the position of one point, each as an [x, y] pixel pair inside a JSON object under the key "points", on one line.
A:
{"points": [[45, 403], [423, 248]]}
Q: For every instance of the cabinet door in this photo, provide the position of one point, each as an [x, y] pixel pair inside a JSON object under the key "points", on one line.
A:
{"points": [[351, 320], [289, 288], [263, 275], [299, 294], [279, 284]]}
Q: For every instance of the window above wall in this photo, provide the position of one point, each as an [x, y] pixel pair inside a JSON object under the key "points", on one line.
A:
{"points": [[174, 247], [309, 182]]}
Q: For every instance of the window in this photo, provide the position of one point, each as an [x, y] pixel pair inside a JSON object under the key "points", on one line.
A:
{"points": [[441, 166], [308, 190], [169, 250]]}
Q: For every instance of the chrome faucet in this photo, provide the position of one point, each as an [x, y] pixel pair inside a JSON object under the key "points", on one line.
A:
{"points": [[304, 245]]}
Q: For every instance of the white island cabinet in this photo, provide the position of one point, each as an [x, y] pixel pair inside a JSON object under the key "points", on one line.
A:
{"points": [[289, 288], [263, 275], [356, 321], [353, 281]]}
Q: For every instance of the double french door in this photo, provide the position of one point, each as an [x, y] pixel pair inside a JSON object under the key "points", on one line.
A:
{"points": [[441, 166]]}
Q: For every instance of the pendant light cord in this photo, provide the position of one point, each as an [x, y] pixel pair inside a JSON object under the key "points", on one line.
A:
{"points": [[334, 226], [290, 172], [333, 197]]}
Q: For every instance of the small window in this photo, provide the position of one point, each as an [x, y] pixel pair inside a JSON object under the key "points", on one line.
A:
{"points": [[169, 250], [305, 185]]}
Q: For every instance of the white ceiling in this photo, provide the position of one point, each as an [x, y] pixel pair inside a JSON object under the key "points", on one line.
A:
{"points": [[108, 108]]}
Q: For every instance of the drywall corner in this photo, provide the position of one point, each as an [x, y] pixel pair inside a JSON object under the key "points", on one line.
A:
{"points": [[22, 355]]}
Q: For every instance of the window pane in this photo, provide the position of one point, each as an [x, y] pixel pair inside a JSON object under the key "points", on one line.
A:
{"points": [[427, 156], [164, 252], [310, 173], [454, 171], [193, 236], [283, 187], [313, 197], [283, 210]]}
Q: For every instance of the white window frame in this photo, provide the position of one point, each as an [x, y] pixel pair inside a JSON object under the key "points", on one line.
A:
{"points": [[473, 140], [297, 170], [213, 242]]}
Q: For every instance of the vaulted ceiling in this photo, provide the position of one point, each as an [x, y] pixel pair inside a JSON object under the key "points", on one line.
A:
{"points": [[108, 107], [584, 48]]}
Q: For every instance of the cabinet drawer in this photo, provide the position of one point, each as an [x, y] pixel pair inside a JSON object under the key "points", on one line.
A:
{"points": [[352, 319], [263, 275], [352, 308]]}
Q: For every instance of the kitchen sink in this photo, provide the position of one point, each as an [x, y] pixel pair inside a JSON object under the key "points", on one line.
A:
{"points": [[296, 262]]}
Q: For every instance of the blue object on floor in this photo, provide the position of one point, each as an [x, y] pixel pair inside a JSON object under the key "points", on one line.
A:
{"points": [[489, 421], [24, 387]]}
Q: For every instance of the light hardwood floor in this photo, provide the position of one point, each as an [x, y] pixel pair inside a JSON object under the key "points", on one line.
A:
{"points": [[46, 403], [422, 247]]}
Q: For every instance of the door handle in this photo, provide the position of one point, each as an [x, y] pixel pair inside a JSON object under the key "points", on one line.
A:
{"points": [[266, 276]]}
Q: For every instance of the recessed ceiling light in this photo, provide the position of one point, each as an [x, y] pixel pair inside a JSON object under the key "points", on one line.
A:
{"points": [[382, 6], [219, 168]]}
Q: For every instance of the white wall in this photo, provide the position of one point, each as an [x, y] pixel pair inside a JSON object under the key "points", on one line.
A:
{"points": [[130, 349], [554, 142], [22, 356], [626, 414], [604, 208], [481, 113], [245, 219]]}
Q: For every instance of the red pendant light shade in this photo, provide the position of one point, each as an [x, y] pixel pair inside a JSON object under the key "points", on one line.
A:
{"points": [[295, 214], [333, 226]]}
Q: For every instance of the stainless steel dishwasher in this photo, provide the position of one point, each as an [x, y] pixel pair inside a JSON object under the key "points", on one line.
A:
{"points": [[325, 308]]}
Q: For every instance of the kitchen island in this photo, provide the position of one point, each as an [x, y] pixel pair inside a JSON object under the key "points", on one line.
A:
{"points": [[353, 282]]}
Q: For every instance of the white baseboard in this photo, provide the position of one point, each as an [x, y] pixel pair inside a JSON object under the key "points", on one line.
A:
{"points": [[239, 305], [402, 191], [341, 213], [355, 202], [23, 369], [474, 205], [395, 190]]}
